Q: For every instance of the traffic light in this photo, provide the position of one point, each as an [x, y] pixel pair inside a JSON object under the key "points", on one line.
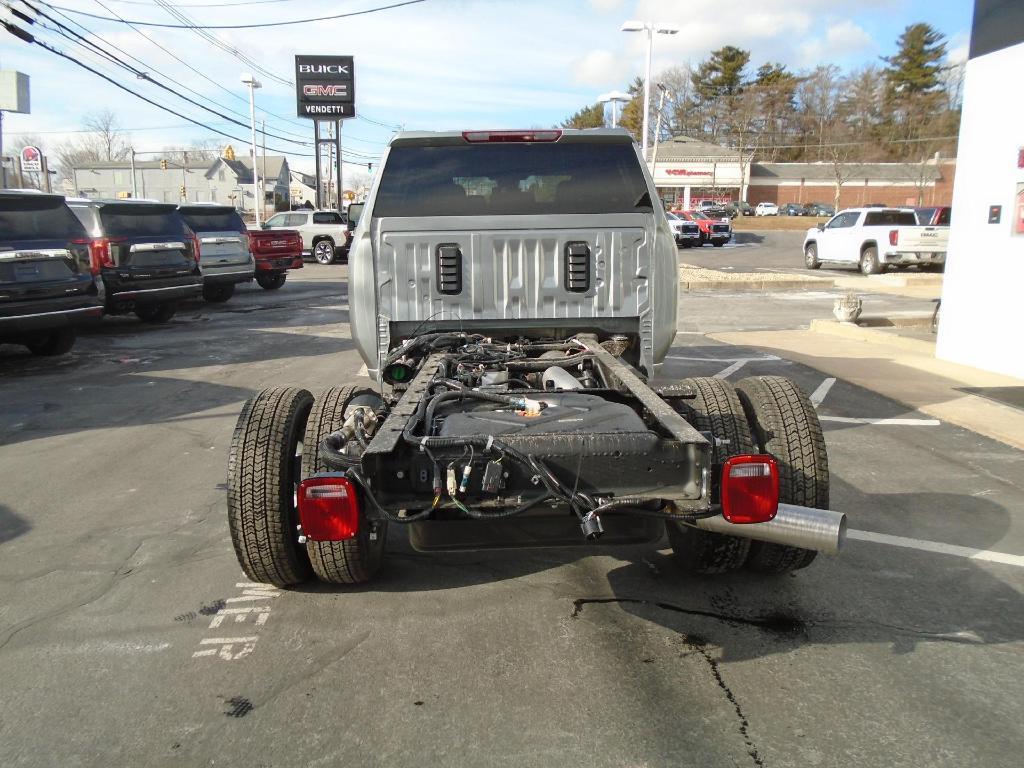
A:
{"points": [[163, 165], [183, 190]]}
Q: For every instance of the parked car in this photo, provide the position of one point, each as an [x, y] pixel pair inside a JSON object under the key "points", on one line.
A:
{"points": [[712, 208], [276, 251], [325, 234], [766, 209], [685, 232], [224, 257], [743, 208], [714, 230], [874, 239], [937, 216], [819, 209], [47, 280], [145, 253], [791, 209]]}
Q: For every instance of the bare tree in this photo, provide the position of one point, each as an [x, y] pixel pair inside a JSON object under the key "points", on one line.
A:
{"points": [[107, 135]]}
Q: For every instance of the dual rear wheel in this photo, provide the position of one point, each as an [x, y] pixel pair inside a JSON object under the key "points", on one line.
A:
{"points": [[761, 414], [273, 448]]}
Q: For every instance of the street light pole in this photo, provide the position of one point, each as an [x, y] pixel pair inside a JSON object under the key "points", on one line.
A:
{"points": [[253, 84], [651, 29], [614, 98]]}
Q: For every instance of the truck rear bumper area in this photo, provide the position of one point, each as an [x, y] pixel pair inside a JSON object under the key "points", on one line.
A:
{"points": [[279, 263], [41, 316], [913, 257]]}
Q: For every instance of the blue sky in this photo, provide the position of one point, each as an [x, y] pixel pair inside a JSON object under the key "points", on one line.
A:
{"points": [[441, 63]]}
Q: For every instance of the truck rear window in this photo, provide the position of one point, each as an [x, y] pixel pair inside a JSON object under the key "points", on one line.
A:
{"points": [[890, 219], [328, 217], [213, 220], [140, 221], [35, 218], [510, 179]]}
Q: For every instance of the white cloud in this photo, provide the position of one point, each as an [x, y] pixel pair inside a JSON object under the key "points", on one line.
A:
{"points": [[607, 5], [599, 69], [841, 40]]}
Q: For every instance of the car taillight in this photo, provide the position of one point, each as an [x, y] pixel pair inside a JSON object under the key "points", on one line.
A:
{"points": [[195, 247], [511, 136], [328, 508], [894, 237], [100, 256], [750, 489]]}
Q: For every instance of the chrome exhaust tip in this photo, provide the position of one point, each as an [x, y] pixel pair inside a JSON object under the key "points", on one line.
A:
{"points": [[795, 526]]}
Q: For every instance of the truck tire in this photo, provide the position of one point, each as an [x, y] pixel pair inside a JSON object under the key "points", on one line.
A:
{"points": [[54, 343], [156, 313], [811, 256], [718, 243], [323, 251], [271, 281], [786, 426], [869, 264], [357, 560], [217, 293], [263, 471], [717, 410]]}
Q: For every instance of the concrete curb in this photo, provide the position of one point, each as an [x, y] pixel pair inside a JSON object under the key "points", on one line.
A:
{"points": [[755, 285], [873, 336]]}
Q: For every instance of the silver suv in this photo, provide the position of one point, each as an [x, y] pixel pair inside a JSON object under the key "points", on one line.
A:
{"points": [[324, 233]]}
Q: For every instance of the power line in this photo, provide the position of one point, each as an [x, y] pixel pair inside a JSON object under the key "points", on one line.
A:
{"points": [[74, 37], [206, 5], [196, 71], [241, 26]]}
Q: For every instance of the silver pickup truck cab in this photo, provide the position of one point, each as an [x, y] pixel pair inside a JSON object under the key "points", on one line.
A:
{"points": [[547, 232]]}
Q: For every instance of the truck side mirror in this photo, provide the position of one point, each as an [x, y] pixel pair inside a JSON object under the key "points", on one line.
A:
{"points": [[821, 227]]}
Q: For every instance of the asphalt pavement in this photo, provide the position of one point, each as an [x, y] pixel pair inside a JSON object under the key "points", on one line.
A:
{"points": [[128, 635]]}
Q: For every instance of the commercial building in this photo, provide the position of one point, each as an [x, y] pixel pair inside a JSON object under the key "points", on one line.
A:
{"points": [[981, 295], [687, 171]]}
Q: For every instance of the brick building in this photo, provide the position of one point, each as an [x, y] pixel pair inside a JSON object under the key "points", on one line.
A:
{"points": [[929, 183]]}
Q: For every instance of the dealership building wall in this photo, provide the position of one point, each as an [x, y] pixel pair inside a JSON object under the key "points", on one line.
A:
{"points": [[982, 293]]}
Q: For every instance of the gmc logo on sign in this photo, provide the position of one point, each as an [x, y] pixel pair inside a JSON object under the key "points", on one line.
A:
{"points": [[325, 90]]}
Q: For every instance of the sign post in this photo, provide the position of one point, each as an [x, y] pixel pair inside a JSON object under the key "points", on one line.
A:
{"points": [[325, 91]]}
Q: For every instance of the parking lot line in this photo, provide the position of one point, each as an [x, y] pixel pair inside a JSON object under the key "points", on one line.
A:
{"points": [[938, 547], [819, 395], [727, 372], [897, 422]]}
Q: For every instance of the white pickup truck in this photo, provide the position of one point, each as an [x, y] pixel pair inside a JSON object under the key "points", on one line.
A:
{"points": [[874, 239]]}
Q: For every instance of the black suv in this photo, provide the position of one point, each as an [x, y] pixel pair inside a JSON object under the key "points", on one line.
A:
{"points": [[47, 284], [147, 256]]}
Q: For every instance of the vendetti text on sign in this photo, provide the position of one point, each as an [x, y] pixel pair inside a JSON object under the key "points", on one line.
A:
{"points": [[325, 86]]}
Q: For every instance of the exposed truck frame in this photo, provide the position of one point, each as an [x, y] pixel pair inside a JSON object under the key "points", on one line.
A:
{"points": [[533, 427]]}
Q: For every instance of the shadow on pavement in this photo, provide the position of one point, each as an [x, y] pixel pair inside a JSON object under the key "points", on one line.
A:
{"points": [[12, 525]]}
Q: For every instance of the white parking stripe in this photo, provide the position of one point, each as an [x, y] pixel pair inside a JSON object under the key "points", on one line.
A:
{"points": [[723, 374], [362, 371], [938, 547], [897, 422], [721, 359], [822, 391]]}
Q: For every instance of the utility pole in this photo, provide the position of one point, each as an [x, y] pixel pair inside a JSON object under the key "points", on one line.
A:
{"points": [[253, 84], [657, 130], [135, 186], [184, 179], [341, 187], [263, 198]]}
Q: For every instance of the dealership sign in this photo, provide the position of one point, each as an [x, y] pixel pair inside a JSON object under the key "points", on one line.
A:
{"points": [[325, 87]]}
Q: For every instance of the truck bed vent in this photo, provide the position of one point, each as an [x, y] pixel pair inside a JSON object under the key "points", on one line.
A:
{"points": [[577, 267], [449, 268]]}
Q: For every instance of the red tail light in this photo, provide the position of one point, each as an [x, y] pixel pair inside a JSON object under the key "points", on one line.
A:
{"points": [[100, 256], [894, 237], [750, 489], [511, 136], [195, 247], [328, 508]]}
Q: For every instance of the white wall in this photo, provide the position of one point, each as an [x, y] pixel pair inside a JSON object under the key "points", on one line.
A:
{"points": [[983, 292]]}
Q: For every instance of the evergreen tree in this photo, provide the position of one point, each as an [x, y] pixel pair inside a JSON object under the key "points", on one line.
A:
{"points": [[586, 117], [917, 66], [723, 74]]}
